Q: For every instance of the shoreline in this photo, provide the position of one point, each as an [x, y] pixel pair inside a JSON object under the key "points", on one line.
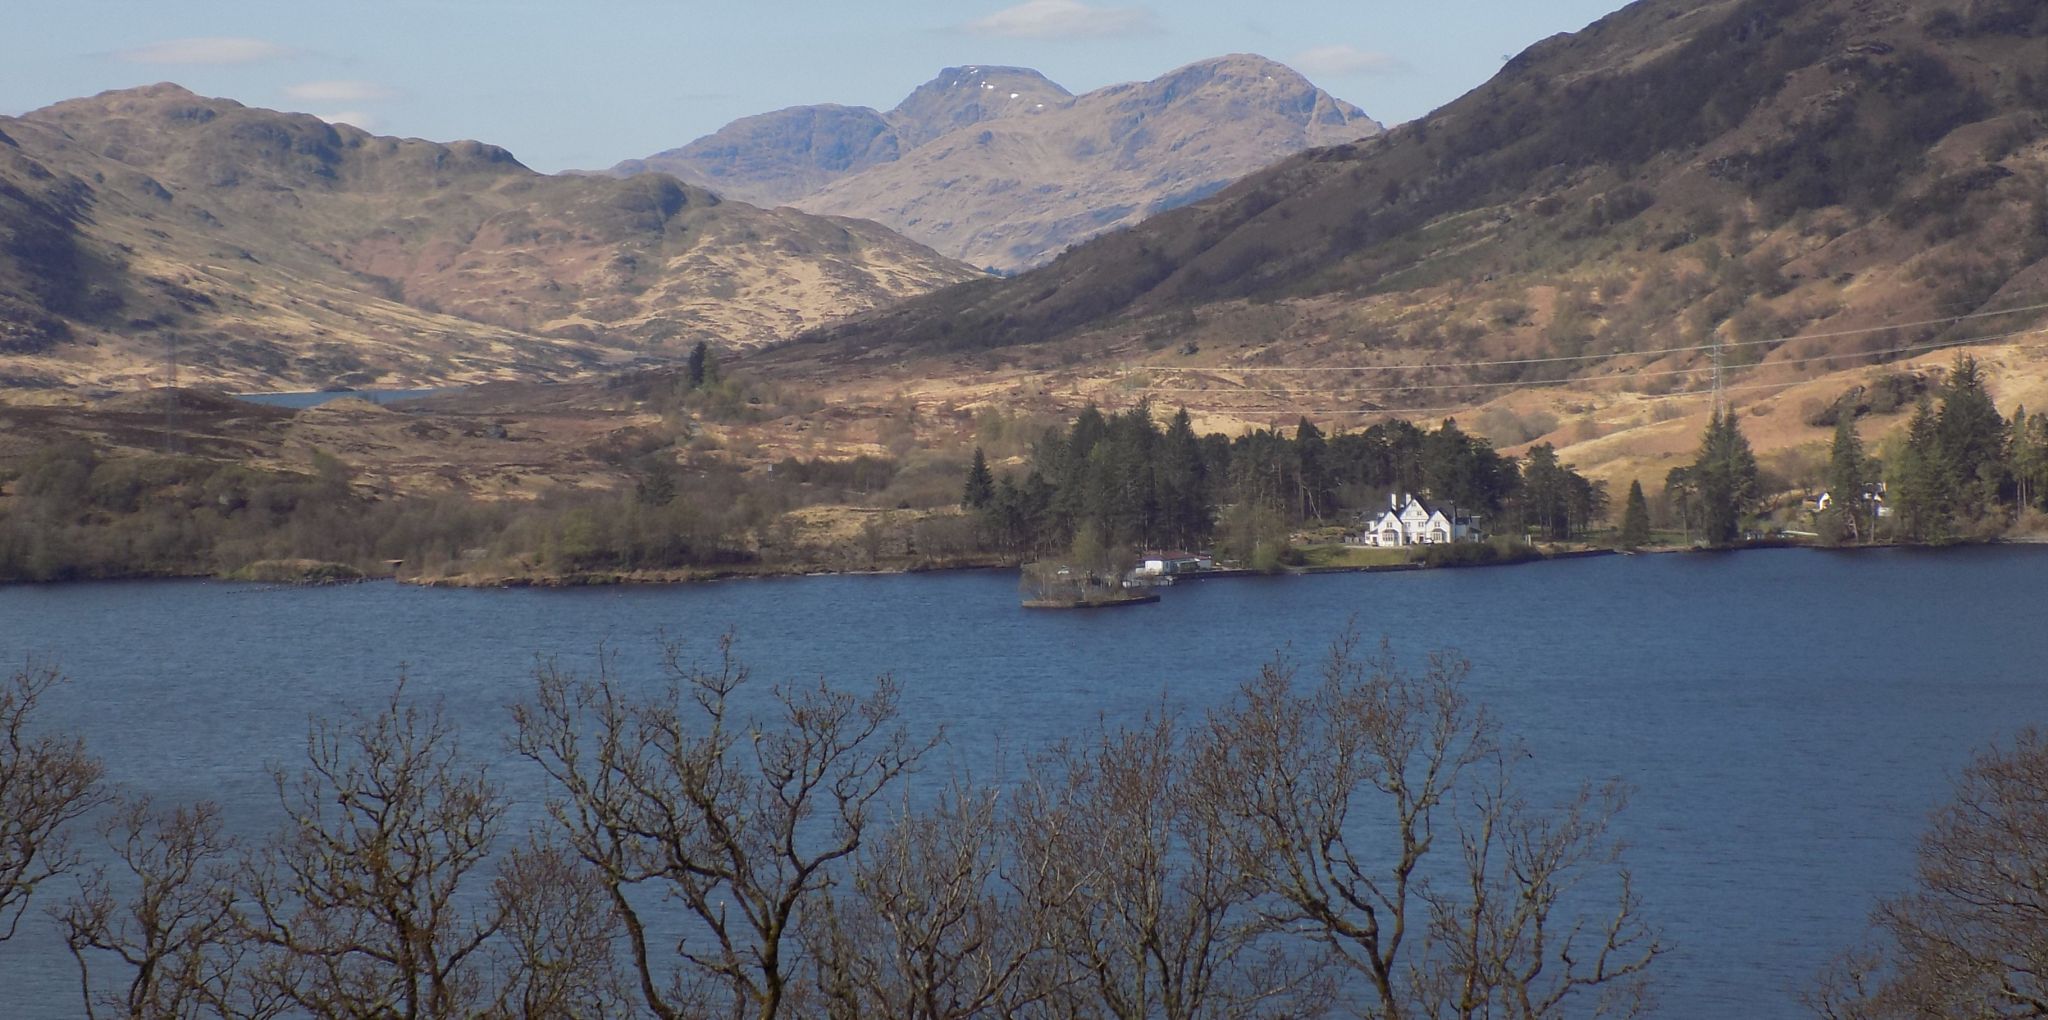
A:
{"points": [[701, 575]]}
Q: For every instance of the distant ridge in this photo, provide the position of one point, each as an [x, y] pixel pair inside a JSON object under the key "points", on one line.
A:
{"points": [[1676, 173], [1002, 168], [285, 252]]}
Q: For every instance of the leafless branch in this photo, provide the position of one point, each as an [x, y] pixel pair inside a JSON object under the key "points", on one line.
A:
{"points": [[741, 821], [46, 783]]}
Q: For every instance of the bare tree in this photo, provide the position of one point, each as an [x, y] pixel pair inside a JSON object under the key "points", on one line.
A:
{"points": [[1132, 881], [556, 956], [1971, 938], [924, 929], [369, 899], [1847, 988], [739, 820], [46, 782], [1544, 920], [175, 943], [1342, 795]]}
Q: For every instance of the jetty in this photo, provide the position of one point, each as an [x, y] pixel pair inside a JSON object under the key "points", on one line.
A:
{"points": [[1093, 602]]}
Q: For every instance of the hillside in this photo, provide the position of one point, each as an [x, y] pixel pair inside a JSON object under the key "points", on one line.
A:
{"points": [[1002, 168], [1831, 191], [1677, 174], [279, 251], [777, 158]]}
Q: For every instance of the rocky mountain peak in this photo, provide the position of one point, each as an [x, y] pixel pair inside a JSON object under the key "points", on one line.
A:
{"points": [[962, 96], [167, 103], [1238, 84], [1238, 66], [773, 158], [168, 131], [1003, 168]]}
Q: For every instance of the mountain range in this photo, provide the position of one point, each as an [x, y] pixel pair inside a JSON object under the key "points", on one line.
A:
{"points": [[1003, 168], [1810, 184], [275, 250]]}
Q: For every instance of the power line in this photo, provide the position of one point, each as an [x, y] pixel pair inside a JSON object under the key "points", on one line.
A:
{"points": [[1467, 407], [1718, 362], [171, 392], [1456, 408], [1882, 352], [1659, 352], [1296, 409]]}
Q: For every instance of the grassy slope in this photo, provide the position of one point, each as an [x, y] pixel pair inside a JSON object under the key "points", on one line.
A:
{"points": [[287, 252], [1793, 179]]}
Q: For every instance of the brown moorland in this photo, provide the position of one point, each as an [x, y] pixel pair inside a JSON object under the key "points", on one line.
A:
{"points": [[1820, 190], [281, 252]]}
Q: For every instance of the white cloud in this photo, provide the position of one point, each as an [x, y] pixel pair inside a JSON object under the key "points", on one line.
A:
{"points": [[340, 92], [219, 50], [1344, 58], [353, 118], [1063, 19]]}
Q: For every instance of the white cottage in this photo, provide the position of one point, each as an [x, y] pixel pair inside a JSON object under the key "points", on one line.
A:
{"points": [[1163, 564], [1408, 521]]}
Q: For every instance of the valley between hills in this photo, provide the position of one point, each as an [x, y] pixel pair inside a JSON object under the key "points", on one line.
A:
{"points": [[1829, 199], [1704, 277]]}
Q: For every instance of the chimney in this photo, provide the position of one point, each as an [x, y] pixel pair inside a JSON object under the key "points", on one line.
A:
{"points": [[1393, 502]]}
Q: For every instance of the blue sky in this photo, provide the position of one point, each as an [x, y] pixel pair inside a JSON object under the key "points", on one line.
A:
{"points": [[586, 84]]}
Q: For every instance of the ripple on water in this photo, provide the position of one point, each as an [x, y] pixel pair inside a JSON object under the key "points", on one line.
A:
{"points": [[1786, 718]]}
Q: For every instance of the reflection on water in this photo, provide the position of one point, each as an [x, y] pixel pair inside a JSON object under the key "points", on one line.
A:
{"points": [[1786, 718]]}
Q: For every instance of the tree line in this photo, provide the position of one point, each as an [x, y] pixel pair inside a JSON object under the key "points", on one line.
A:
{"points": [[1722, 487], [1346, 839], [1122, 481], [1343, 840], [1962, 470], [74, 513]]}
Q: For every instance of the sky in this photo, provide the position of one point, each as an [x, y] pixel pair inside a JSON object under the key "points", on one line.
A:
{"points": [[583, 85]]}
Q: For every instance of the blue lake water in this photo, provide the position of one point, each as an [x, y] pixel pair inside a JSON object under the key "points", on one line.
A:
{"points": [[1787, 718]]}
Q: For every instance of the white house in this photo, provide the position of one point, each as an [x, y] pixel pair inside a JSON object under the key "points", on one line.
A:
{"points": [[1873, 497], [1162, 564], [1408, 521]]}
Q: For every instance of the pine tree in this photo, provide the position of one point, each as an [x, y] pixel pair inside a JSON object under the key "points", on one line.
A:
{"points": [[700, 357], [1035, 505], [2030, 459], [1003, 518], [1725, 477], [1182, 477], [1585, 502], [2019, 458], [1919, 480], [1546, 497], [1972, 438], [1312, 471], [1635, 518], [1847, 471], [1682, 493], [1463, 470], [1133, 513], [981, 485]]}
